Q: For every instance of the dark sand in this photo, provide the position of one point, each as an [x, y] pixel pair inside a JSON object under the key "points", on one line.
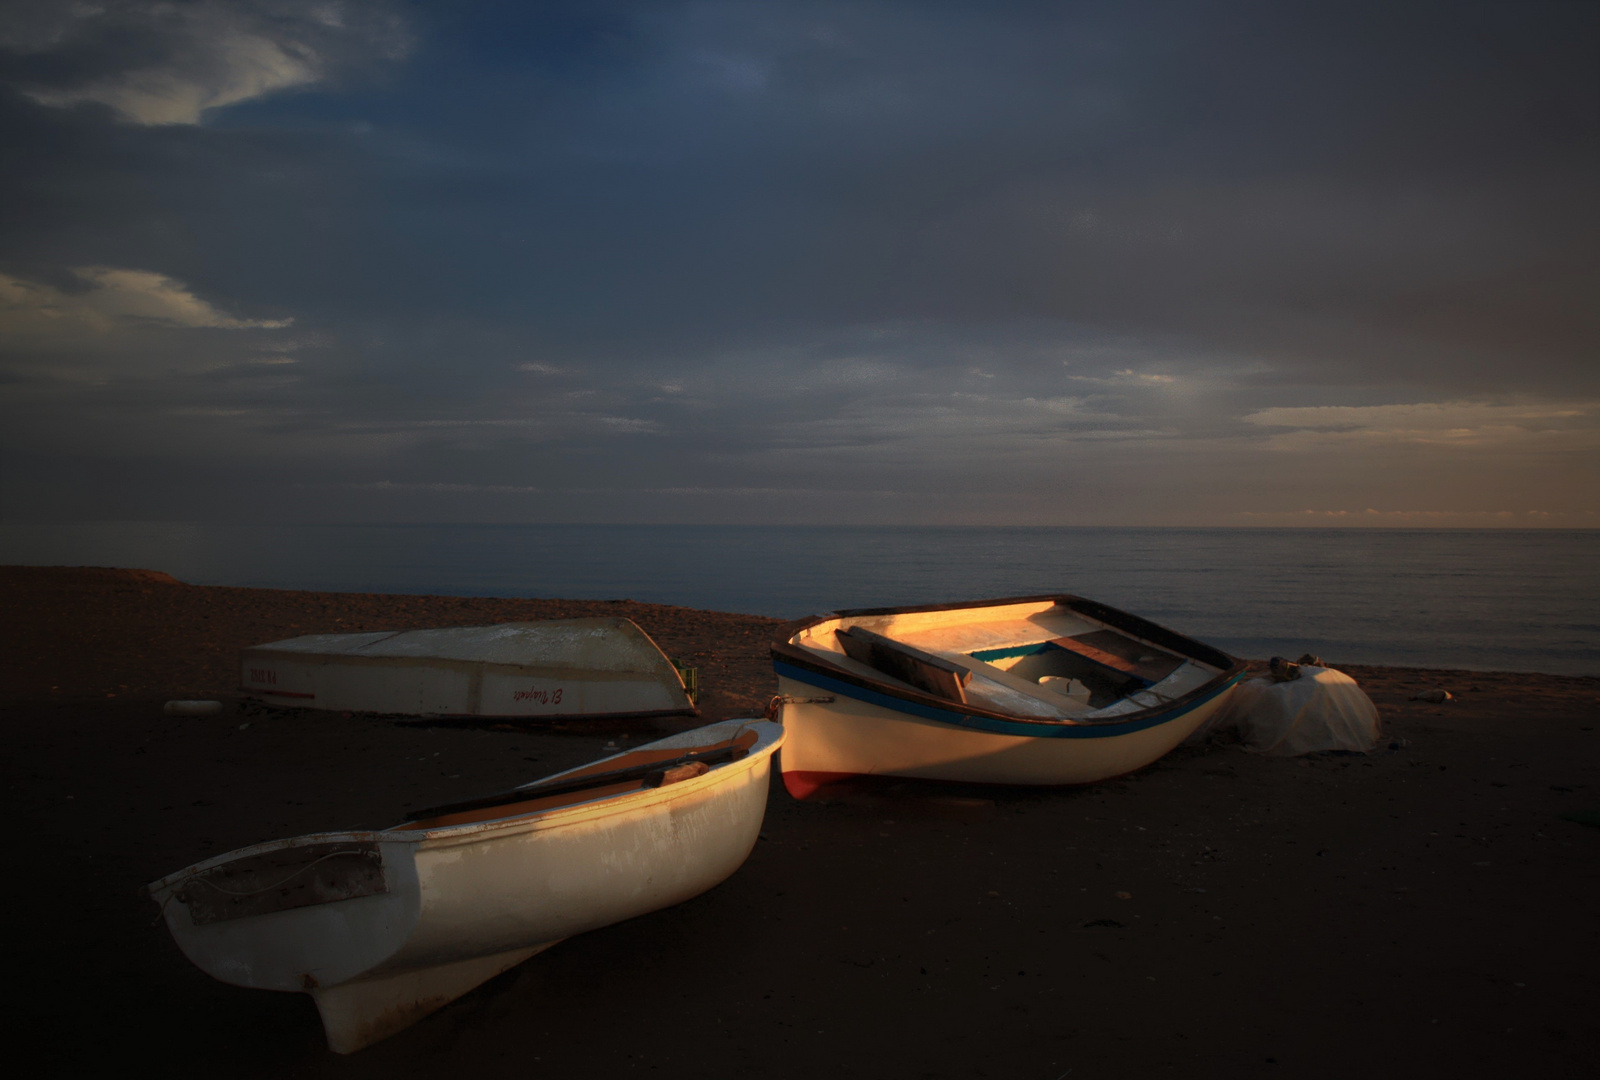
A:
{"points": [[1424, 911]]}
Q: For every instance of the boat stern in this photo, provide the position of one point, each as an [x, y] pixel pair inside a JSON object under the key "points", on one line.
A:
{"points": [[293, 915]]}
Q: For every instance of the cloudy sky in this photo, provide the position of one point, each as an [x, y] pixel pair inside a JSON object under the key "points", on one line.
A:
{"points": [[921, 262]]}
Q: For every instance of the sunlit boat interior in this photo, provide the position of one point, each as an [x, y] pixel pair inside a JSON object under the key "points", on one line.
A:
{"points": [[1049, 659]]}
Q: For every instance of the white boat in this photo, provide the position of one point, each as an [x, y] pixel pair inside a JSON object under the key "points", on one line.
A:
{"points": [[1031, 690], [384, 927], [560, 669]]}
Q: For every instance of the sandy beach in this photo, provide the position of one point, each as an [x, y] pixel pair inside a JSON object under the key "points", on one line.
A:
{"points": [[1422, 911]]}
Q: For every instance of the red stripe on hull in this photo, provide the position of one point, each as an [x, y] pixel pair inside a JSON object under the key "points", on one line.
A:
{"points": [[802, 785]]}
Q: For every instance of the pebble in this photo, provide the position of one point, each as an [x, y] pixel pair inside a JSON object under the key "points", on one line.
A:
{"points": [[192, 708]]}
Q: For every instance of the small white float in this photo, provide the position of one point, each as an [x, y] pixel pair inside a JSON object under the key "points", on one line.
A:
{"points": [[560, 669], [192, 708], [384, 927]]}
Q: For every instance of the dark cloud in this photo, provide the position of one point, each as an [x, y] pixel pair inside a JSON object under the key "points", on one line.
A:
{"points": [[920, 261]]}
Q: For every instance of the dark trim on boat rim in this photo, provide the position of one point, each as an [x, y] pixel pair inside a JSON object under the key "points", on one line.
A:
{"points": [[792, 661]]}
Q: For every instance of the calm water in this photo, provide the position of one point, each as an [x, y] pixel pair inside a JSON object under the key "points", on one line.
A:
{"points": [[1489, 599]]}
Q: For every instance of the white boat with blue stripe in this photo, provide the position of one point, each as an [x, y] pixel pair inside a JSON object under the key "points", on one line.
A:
{"points": [[1028, 690]]}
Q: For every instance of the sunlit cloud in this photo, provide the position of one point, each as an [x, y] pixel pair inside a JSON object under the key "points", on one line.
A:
{"points": [[1128, 377], [176, 61], [760, 492], [1371, 516], [848, 371], [243, 66], [1450, 423], [142, 294], [626, 425], [1069, 406], [295, 343], [113, 297], [471, 422]]}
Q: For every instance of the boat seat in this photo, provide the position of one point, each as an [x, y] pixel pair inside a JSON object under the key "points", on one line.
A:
{"points": [[927, 672], [1122, 654], [1050, 703]]}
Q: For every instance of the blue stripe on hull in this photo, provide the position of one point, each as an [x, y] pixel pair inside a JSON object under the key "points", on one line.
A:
{"points": [[1042, 730]]}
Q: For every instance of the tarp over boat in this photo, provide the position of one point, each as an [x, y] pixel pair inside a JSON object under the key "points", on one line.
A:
{"points": [[1321, 710], [556, 669]]}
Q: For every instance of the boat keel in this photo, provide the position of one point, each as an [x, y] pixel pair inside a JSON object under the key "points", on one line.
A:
{"points": [[804, 784], [358, 1014]]}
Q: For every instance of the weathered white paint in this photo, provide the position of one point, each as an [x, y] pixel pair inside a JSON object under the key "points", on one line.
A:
{"points": [[465, 902], [558, 668]]}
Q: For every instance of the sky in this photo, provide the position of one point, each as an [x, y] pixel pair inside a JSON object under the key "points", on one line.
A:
{"points": [[801, 263]]}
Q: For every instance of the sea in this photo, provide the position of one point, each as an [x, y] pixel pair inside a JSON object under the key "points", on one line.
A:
{"points": [[1490, 600]]}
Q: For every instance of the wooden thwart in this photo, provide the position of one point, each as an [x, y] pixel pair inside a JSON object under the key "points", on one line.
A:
{"points": [[1110, 649], [925, 671]]}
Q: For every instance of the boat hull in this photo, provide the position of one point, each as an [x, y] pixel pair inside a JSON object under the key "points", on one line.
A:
{"points": [[554, 670], [1040, 690], [459, 904], [847, 736]]}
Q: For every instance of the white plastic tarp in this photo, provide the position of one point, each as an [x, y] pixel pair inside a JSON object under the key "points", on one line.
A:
{"points": [[1321, 710]]}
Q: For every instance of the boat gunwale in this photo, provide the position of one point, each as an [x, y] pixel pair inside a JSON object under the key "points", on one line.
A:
{"points": [[268, 651], [803, 662], [627, 626], [474, 831]]}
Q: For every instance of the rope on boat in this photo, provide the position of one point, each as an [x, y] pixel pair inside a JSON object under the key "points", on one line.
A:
{"points": [[775, 706]]}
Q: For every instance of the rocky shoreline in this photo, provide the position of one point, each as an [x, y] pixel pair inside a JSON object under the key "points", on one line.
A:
{"points": [[1427, 908]]}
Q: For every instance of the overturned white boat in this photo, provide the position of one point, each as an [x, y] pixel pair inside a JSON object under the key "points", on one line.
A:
{"points": [[384, 927], [1030, 690], [559, 669]]}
